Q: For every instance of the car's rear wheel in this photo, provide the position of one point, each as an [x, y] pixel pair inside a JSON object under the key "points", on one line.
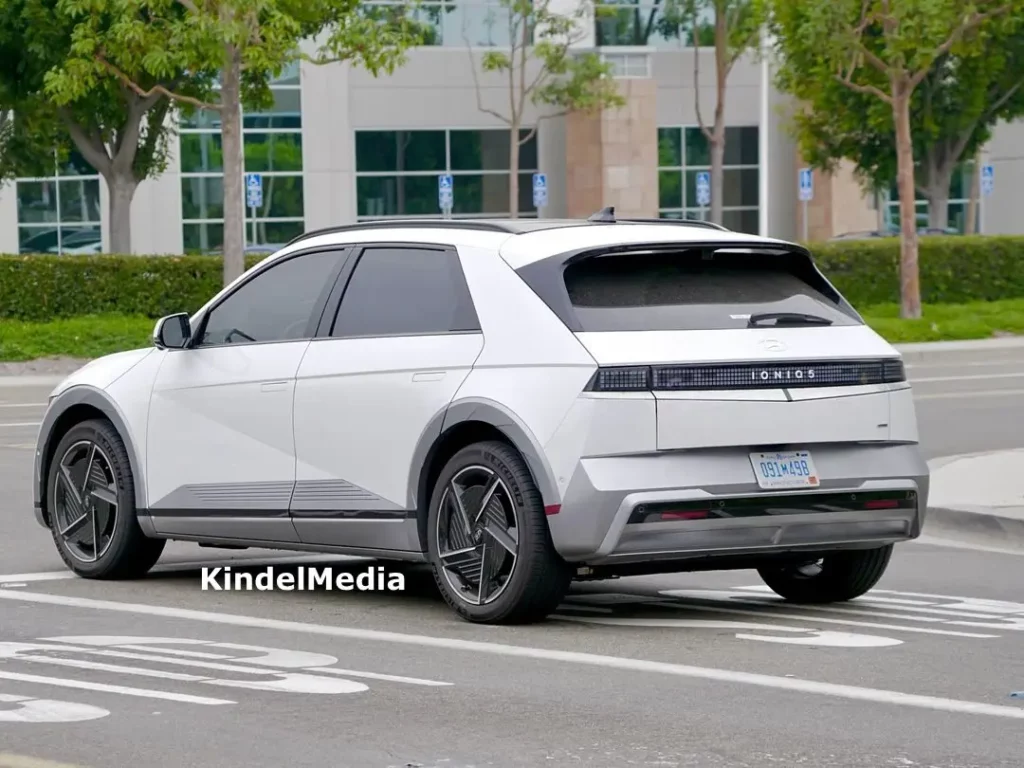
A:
{"points": [[834, 578], [488, 539], [90, 501]]}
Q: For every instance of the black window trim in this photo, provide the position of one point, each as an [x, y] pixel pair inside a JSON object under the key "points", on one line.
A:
{"points": [[344, 253], [546, 276], [333, 306]]}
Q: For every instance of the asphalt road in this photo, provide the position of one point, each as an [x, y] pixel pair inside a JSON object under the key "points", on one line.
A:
{"points": [[701, 670]]}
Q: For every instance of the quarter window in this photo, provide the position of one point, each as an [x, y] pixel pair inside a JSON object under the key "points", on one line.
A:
{"points": [[405, 292], [275, 305]]}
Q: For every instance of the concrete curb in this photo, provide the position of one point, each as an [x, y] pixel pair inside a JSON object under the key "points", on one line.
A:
{"points": [[923, 350], [978, 526], [32, 380]]}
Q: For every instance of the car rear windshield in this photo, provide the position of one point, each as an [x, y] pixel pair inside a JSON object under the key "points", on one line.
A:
{"points": [[697, 289]]}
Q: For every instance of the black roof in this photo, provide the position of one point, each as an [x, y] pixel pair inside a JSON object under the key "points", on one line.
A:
{"points": [[507, 226]]}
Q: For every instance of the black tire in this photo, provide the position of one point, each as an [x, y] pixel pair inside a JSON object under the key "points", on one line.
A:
{"points": [[128, 553], [539, 577], [838, 577]]}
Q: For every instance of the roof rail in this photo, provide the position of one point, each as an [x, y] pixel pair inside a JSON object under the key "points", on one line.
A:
{"points": [[684, 222], [481, 226]]}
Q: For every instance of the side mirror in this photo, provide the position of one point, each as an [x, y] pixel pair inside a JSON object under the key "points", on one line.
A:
{"points": [[172, 332]]}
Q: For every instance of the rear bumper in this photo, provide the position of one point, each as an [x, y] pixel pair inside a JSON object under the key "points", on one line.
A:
{"points": [[593, 526]]}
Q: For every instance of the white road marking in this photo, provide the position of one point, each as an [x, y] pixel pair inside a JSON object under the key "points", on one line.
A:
{"points": [[42, 576], [319, 663], [855, 693], [120, 689], [20, 424], [7, 760], [31, 710], [694, 593], [22, 405], [823, 638]]}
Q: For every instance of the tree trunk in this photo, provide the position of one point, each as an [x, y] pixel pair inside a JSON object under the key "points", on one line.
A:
{"points": [[234, 169], [717, 171], [910, 285], [513, 177], [971, 225], [121, 190], [718, 131], [936, 192]]}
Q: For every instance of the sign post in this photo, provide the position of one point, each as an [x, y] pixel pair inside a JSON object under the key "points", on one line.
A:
{"points": [[446, 194], [703, 192], [540, 190], [253, 197], [806, 193]]}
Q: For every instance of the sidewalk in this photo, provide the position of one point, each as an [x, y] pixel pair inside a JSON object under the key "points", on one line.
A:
{"points": [[978, 496]]}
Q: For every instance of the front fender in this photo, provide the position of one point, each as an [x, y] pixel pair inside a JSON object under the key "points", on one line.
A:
{"points": [[79, 396]]}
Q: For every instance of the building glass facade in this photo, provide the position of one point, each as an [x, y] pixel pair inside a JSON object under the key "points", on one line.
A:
{"points": [[60, 213], [396, 172], [272, 140], [684, 151], [959, 197]]}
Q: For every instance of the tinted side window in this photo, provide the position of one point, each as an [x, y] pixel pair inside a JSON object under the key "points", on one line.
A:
{"points": [[405, 291], [276, 305]]}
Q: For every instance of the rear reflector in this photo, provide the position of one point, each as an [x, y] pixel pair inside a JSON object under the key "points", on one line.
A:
{"points": [[552, 509], [687, 515], [881, 504]]}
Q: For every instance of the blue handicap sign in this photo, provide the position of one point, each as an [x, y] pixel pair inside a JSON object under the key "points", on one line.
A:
{"points": [[253, 190], [806, 184], [988, 180], [540, 190], [704, 188], [445, 191]]}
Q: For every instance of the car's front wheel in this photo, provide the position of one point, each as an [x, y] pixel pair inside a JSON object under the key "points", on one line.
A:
{"points": [[488, 539], [834, 578], [90, 500]]}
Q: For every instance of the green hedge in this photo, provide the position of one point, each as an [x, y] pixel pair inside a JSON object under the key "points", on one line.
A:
{"points": [[41, 287], [953, 270]]}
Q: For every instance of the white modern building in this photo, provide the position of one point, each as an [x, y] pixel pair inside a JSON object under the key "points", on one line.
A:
{"points": [[340, 145]]}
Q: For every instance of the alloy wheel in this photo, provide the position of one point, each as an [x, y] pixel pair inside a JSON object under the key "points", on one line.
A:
{"points": [[85, 501], [477, 535]]}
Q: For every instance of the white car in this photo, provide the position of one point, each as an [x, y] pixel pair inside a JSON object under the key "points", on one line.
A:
{"points": [[519, 403]]}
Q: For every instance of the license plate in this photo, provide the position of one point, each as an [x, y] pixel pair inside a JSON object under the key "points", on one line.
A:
{"points": [[792, 469]]}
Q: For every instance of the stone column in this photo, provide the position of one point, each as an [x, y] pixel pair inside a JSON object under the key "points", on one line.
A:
{"points": [[612, 155]]}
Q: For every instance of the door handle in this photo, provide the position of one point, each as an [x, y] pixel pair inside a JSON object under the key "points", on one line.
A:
{"points": [[273, 386], [428, 376]]}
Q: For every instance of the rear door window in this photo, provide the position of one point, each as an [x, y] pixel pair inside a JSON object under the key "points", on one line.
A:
{"points": [[697, 290]]}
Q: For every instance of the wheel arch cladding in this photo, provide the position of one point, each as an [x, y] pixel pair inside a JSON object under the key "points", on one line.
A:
{"points": [[463, 424], [73, 406]]}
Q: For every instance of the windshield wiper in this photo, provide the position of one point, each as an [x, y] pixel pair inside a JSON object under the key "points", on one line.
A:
{"points": [[787, 318]]}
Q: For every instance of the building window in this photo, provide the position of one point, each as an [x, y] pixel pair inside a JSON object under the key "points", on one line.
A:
{"points": [[396, 172], [60, 213], [684, 152], [633, 23], [474, 24], [272, 141], [959, 198]]}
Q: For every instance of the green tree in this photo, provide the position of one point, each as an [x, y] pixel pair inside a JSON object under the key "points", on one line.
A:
{"points": [[952, 115], [541, 68], [736, 27], [121, 134], [248, 42], [884, 49]]}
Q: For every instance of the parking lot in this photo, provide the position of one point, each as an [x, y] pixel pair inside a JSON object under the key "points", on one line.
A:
{"points": [[705, 669]]}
